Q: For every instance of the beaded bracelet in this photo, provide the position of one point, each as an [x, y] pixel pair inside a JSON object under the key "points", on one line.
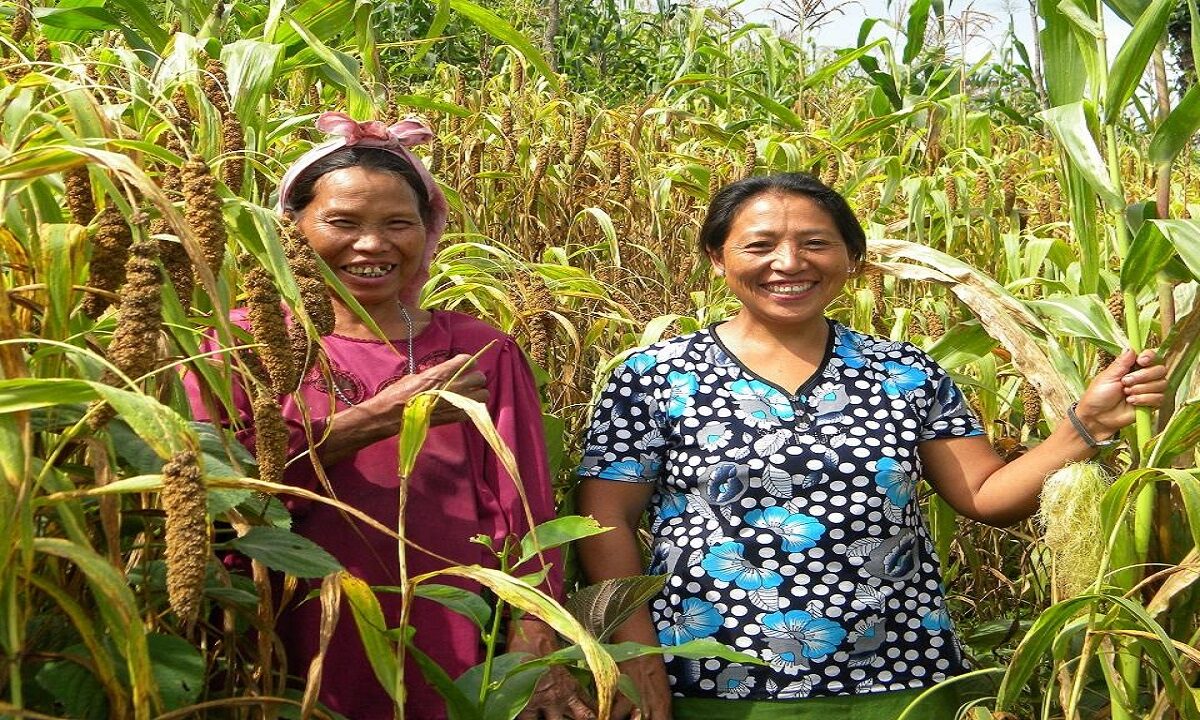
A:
{"points": [[1087, 436]]}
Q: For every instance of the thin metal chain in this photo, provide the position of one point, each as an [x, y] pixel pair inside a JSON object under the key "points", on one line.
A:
{"points": [[412, 362]]}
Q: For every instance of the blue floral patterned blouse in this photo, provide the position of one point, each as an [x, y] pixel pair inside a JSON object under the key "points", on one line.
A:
{"points": [[788, 524]]}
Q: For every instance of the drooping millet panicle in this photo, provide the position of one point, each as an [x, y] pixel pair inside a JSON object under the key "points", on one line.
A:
{"points": [[579, 136], [134, 346], [830, 172], [22, 20], [612, 158], [270, 331], [185, 504], [314, 295], [751, 161], [78, 184], [1010, 189], [215, 83], [232, 139], [714, 180], [183, 111], [933, 325], [951, 187], [625, 181], [546, 157], [270, 436], [110, 252], [875, 284], [983, 187], [41, 51], [1031, 404], [536, 301], [475, 165], [1116, 306], [518, 75], [437, 155], [202, 210]]}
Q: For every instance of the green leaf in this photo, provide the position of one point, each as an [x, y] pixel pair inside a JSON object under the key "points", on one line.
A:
{"points": [[372, 630], [1181, 435], [252, 67], [966, 344], [72, 684], [1066, 60], [1185, 236], [557, 532], [1149, 253], [918, 19], [494, 25], [601, 608], [358, 100], [178, 670], [1174, 134], [464, 602], [1083, 316], [284, 550], [458, 703], [440, 19], [1130, 64], [1070, 125]]}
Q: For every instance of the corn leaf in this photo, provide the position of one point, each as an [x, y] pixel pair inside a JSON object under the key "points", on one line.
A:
{"points": [[1174, 134], [1070, 125], [1149, 253], [1185, 237], [1083, 316], [1130, 64], [494, 25]]}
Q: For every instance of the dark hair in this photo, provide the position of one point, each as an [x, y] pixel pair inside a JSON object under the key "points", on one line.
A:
{"points": [[303, 189], [730, 199]]}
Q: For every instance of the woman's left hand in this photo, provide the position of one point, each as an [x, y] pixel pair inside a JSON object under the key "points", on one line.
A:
{"points": [[1132, 380], [557, 695]]}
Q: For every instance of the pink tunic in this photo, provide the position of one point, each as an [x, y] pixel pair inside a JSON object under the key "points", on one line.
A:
{"points": [[458, 490]]}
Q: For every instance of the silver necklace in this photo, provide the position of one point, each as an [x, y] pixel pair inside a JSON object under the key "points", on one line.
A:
{"points": [[412, 363]]}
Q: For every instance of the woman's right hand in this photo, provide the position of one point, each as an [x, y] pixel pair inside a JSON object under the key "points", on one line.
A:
{"points": [[649, 676], [454, 375]]}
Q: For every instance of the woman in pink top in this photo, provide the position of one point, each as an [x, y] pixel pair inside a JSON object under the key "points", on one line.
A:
{"points": [[372, 212]]}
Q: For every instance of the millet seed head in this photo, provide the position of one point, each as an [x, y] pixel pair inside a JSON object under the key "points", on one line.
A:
{"points": [[110, 253], [751, 159], [1116, 305], [78, 185], [22, 21], [176, 262], [579, 135], [233, 144], [270, 436], [134, 346], [1031, 404], [215, 83], [314, 294], [933, 324], [41, 50], [202, 210], [269, 329], [184, 499]]}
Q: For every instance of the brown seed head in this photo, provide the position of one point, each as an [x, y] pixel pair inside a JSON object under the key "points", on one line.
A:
{"points": [[183, 111], [1010, 189], [437, 156], [232, 145], [110, 252], [933, 325], [751, 152], [22, 20], [625, 184], [269, 329], [215, 83], [983, 186], [270, 436], [1116, 305], [1031, 403], [134, 346], [518, 75], [42, 51], [545, 158], [79, 195], [176, 262], [830, 172], [951, 186], [314, 295], [202, 210], [184, 499], [579, 136]]}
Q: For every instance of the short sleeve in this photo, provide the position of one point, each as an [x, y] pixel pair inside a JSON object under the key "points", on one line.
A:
{"points": [[627, 440], [945, 412]]}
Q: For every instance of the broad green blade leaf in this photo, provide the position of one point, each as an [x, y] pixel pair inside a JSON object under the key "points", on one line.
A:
{"points": [[602, 607], [918, 19], [252, 68], [440, 19], [358, 100], [70, 683], [558, 532], [510, 686], [1083, 316], [1185, 236], [1181, 435], [1130, 64], [178, 670], [965, 345], [1028, 657], [494, 25], [284, 550], [372, 629], [1070, 126], [534, 601], [1175, 133], [1128, 10], [463, 602], [1149, 252]]}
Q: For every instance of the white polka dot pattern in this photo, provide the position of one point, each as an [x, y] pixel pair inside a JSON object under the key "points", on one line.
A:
{"points": [[787, 523]]}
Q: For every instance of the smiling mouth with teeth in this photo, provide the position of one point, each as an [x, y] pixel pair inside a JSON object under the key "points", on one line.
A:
{"points": [[368, 271], [791, 288]]}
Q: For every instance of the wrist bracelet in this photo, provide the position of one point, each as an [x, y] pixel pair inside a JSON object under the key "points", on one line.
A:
{"points": [[1087, 436]]}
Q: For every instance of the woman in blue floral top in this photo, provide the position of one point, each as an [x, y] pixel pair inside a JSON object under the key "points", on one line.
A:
{"points": [[778, 454]]}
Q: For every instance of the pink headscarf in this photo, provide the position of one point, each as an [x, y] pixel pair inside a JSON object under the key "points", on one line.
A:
{"points": [[395, 139]]}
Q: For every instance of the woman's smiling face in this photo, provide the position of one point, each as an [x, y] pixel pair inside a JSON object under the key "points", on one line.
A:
{"points": [[785, 260], [366, 225]]}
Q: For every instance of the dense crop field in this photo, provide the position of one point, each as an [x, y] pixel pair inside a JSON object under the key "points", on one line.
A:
{"points": [[1028, 214]]}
